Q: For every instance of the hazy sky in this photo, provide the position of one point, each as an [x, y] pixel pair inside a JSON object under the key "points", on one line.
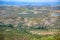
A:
{"points": [[33, 0]]}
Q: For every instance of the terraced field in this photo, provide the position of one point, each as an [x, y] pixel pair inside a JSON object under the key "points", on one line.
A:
{"points": [[44, 32]]}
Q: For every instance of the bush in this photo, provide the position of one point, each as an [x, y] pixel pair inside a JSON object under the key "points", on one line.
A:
{"points": [[10, 25]]}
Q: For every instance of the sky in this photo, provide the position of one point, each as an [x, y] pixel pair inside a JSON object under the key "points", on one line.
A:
{"points": [[28, 2], [33, 0]]}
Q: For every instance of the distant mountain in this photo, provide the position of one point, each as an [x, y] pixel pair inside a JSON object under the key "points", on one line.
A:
{"points": [[29, 3]]}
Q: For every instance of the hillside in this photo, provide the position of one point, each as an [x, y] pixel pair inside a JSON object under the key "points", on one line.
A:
{"points": [[29, 23]]}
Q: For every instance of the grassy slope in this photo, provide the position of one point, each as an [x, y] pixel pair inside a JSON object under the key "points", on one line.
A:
{"points": [[14, 34]]}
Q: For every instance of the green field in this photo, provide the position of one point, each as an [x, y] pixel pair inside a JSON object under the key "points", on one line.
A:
{"points": [[23, 34]]}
